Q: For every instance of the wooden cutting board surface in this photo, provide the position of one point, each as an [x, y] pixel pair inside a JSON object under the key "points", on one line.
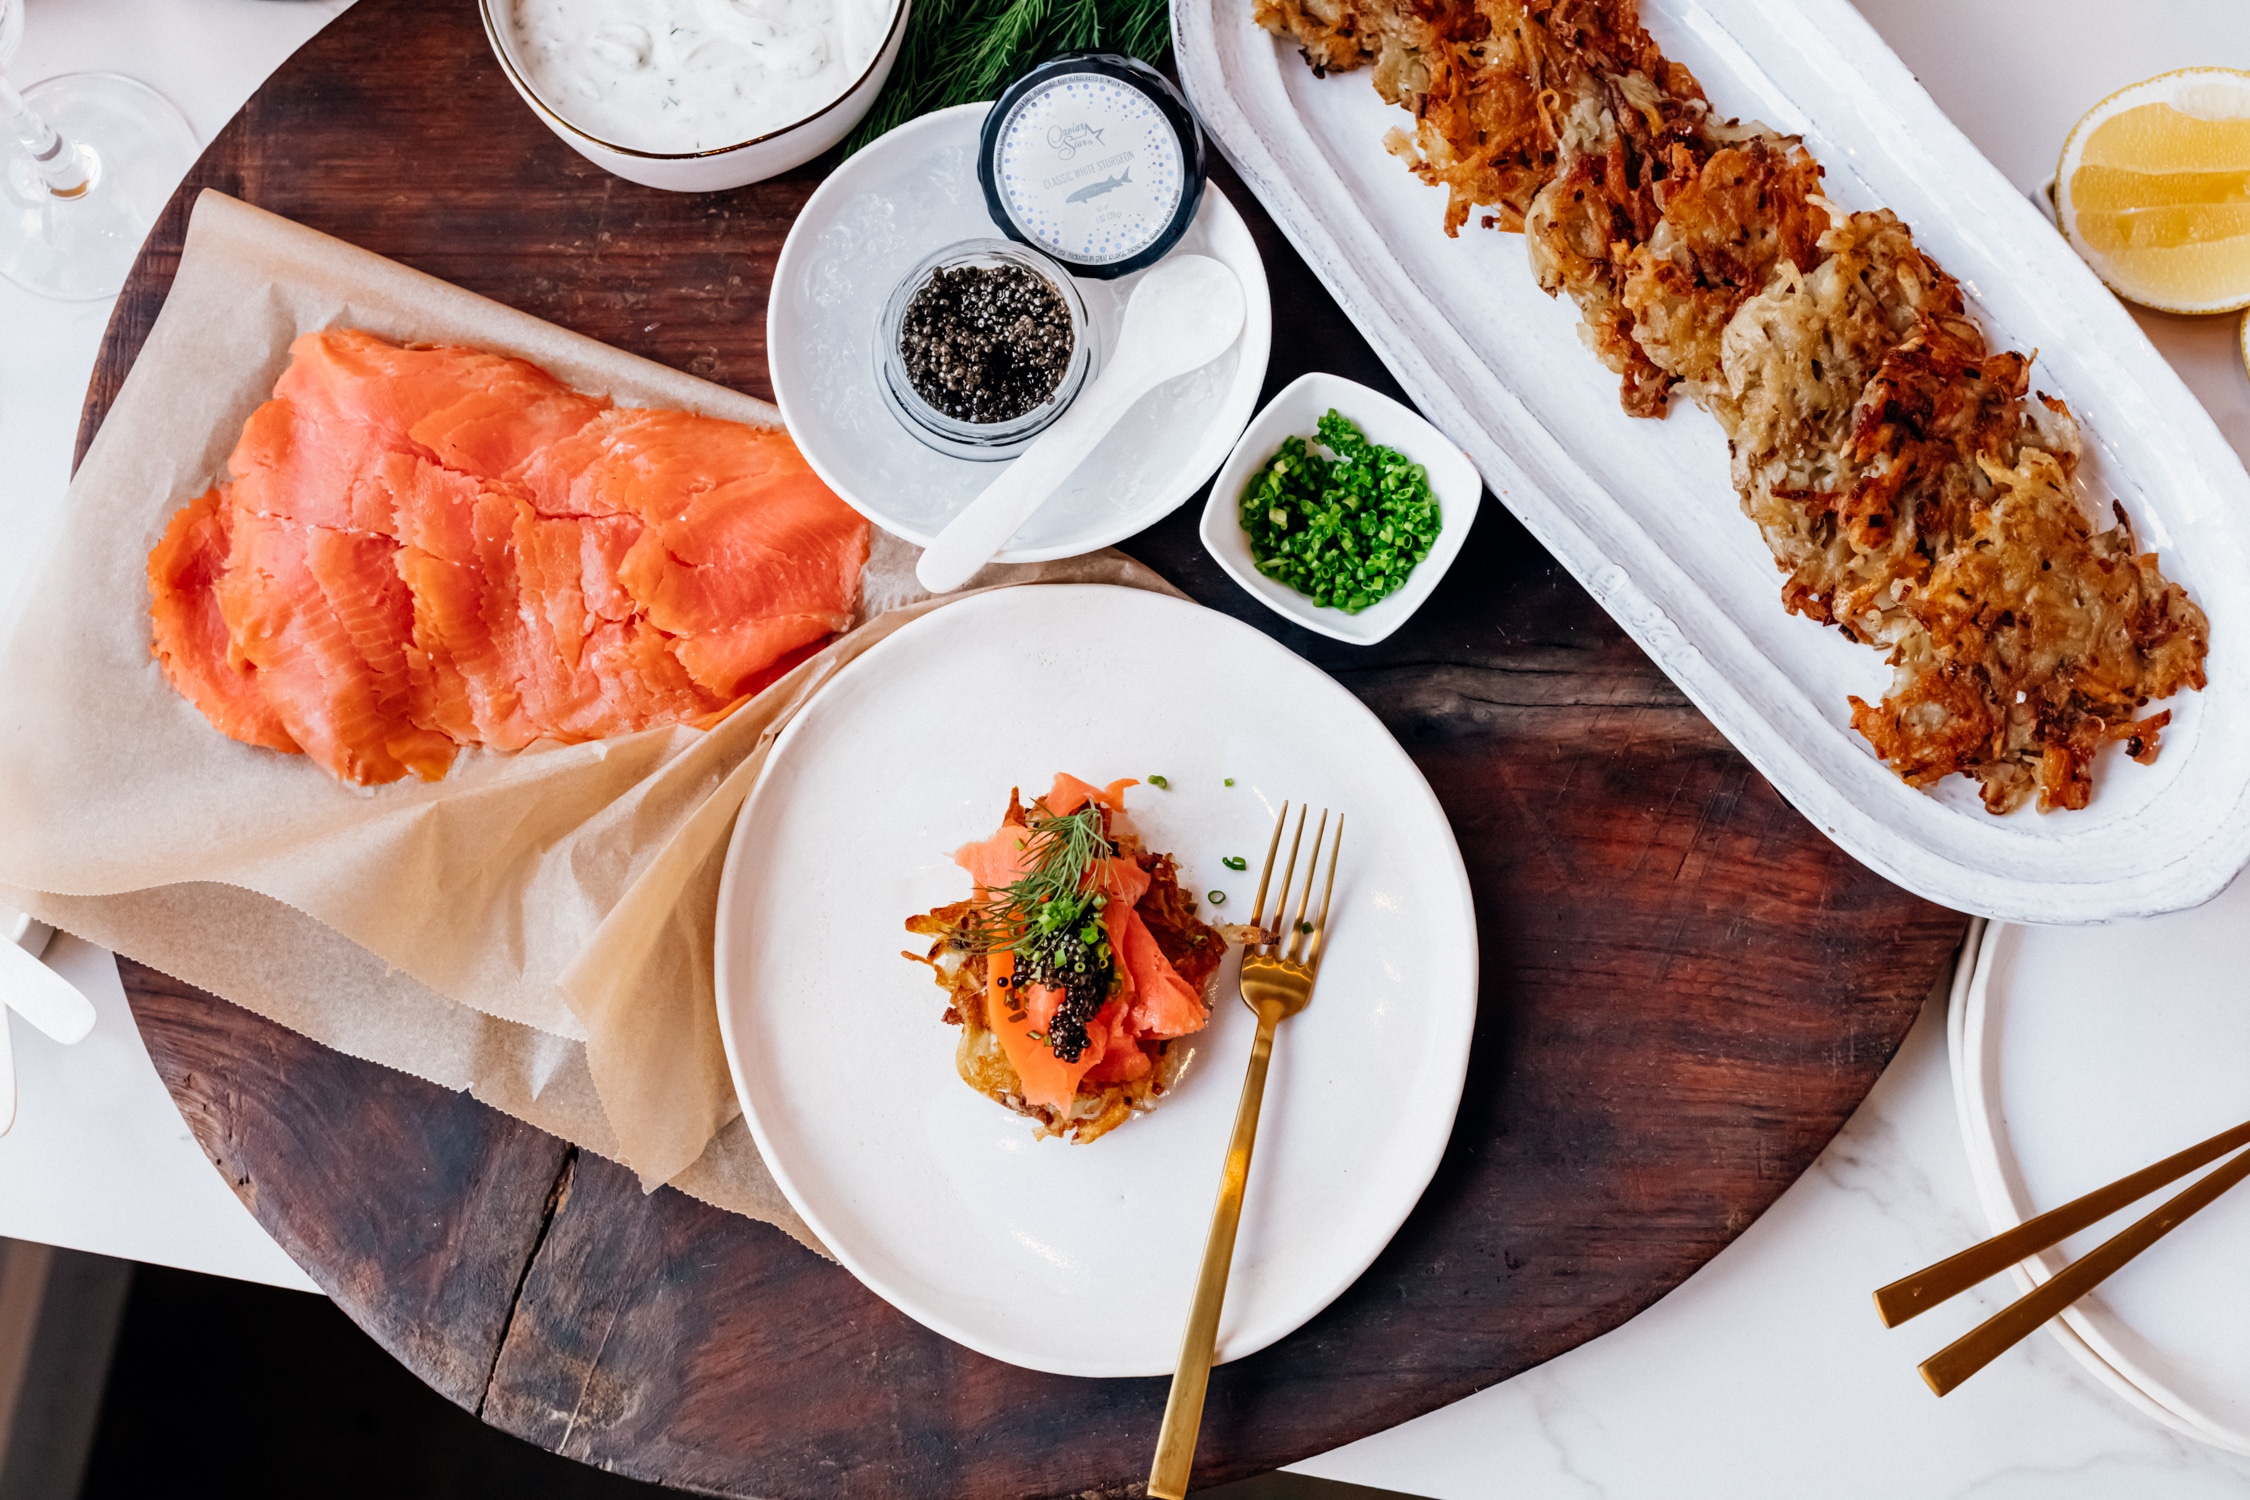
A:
{"points": [[1686, 987]]}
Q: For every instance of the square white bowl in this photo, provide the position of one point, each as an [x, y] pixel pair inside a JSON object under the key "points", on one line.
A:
{"points": [[1296, 412]]}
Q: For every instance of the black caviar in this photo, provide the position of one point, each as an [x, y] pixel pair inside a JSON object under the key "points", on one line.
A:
{"points": [[1067, 947], [985, 343]]}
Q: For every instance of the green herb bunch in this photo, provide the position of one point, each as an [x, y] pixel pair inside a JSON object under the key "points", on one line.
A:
{"points": [[1052, 922], [960, 51], [1345, 530]]}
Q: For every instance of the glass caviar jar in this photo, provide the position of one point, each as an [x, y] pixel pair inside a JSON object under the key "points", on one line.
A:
{"points": [[981, 346]]}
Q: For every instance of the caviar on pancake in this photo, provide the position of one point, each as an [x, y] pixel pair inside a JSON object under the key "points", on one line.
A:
{"points": [[1076, 967]]}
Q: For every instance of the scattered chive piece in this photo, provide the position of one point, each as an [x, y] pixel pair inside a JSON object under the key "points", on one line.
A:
{"points": [[1344, 531], [1305, 927], [1230, 781], [1216, 898], [1235, 862], [1160, 783]]}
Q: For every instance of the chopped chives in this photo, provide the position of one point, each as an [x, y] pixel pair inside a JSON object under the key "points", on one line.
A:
{"points": [[1344, 531]]}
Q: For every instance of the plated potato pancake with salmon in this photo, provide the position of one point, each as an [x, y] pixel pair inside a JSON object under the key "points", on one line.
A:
{"points": [[1076, 966]]}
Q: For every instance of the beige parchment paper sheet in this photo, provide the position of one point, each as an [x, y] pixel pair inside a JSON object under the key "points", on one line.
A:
{"points": [[536, 928]]}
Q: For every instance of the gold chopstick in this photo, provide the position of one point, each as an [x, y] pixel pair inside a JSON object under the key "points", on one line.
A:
{"points": [[1914, 1295], [1984, 1343]]}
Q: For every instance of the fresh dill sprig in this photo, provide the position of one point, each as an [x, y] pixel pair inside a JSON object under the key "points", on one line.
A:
{"points": [[1051, 921], [960, 51], [1060, 853]]}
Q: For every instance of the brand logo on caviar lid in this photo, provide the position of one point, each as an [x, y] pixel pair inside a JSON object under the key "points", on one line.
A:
{"points": [[1069, 140]]}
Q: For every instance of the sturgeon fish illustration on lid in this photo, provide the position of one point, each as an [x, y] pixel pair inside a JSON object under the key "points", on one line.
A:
{"points": [[1096, 189]]}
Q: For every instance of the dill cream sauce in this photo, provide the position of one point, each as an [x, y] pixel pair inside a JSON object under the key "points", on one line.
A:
{"points": [[693, 75]]}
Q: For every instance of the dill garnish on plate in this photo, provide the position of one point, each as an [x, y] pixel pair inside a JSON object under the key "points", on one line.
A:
{"points": [[1075, 965]]}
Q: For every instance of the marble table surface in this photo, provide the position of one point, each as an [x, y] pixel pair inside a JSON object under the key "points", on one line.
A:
{"points": [[1765, 1375]]}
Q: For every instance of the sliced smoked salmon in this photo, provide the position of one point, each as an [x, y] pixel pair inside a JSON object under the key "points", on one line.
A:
{"points": [[422, 549], [192, 641]]}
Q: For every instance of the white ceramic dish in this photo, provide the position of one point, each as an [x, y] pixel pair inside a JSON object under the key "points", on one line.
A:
{"points": [[1295, 411], [722, 167], [1642, 512], [889, 205], [942, 1202], [2082, 1054]]}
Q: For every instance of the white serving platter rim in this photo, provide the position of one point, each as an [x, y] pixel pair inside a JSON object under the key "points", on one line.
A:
{"points": [[1218, 230], [1443, 1010], [1983, 1127], [2155, 840]]}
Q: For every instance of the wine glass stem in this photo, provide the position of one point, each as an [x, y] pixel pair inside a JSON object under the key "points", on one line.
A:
{"points": [[60, 167]]}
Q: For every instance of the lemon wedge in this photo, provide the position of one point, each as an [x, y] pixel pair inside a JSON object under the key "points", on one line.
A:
{"points": [[2154, 190]]}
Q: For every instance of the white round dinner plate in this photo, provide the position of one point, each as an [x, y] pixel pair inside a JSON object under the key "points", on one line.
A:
{"points": [[1082, 1259], [2081, 1054], [914, 191]]}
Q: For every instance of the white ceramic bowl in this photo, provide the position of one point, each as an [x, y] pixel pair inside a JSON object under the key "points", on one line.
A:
{"points": [[723, 167], [1296, 412], [884, 209]]}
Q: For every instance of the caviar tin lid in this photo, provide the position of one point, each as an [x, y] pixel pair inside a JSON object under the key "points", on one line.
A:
{"points": [[1093, 159]]}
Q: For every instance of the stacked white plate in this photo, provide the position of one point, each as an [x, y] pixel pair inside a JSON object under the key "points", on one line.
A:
{"points": [[2082, 1054]]}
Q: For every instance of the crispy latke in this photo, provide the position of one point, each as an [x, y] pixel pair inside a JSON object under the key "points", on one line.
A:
{"points": [[2037, 640], [1910, 490]]}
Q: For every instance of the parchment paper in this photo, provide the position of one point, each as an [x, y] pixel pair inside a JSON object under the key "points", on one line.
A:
{"points": [[537, 927]]}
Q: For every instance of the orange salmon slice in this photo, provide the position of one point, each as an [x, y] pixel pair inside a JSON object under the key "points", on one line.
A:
{"points": [[426, 549], [1150, 1002]]}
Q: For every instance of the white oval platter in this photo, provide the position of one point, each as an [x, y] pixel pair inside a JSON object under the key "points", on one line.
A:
{"points": [[1642, 512], [1081, 1260]]}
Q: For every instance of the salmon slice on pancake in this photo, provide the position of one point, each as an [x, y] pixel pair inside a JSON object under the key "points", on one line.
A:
{"points": [[1075, 966]]}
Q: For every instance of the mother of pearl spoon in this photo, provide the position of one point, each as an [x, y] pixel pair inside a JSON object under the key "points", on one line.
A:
{"points": [[1184, 314], [43, 997]]}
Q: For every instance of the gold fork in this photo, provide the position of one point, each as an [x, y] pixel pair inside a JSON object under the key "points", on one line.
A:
{"points": [[1277, 982]]}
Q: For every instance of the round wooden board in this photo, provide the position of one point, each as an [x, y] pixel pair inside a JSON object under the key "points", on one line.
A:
{"points": [[1686, 988]]}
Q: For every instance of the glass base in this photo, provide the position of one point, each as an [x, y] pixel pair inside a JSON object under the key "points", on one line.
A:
{"points": [[136, 147]]}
